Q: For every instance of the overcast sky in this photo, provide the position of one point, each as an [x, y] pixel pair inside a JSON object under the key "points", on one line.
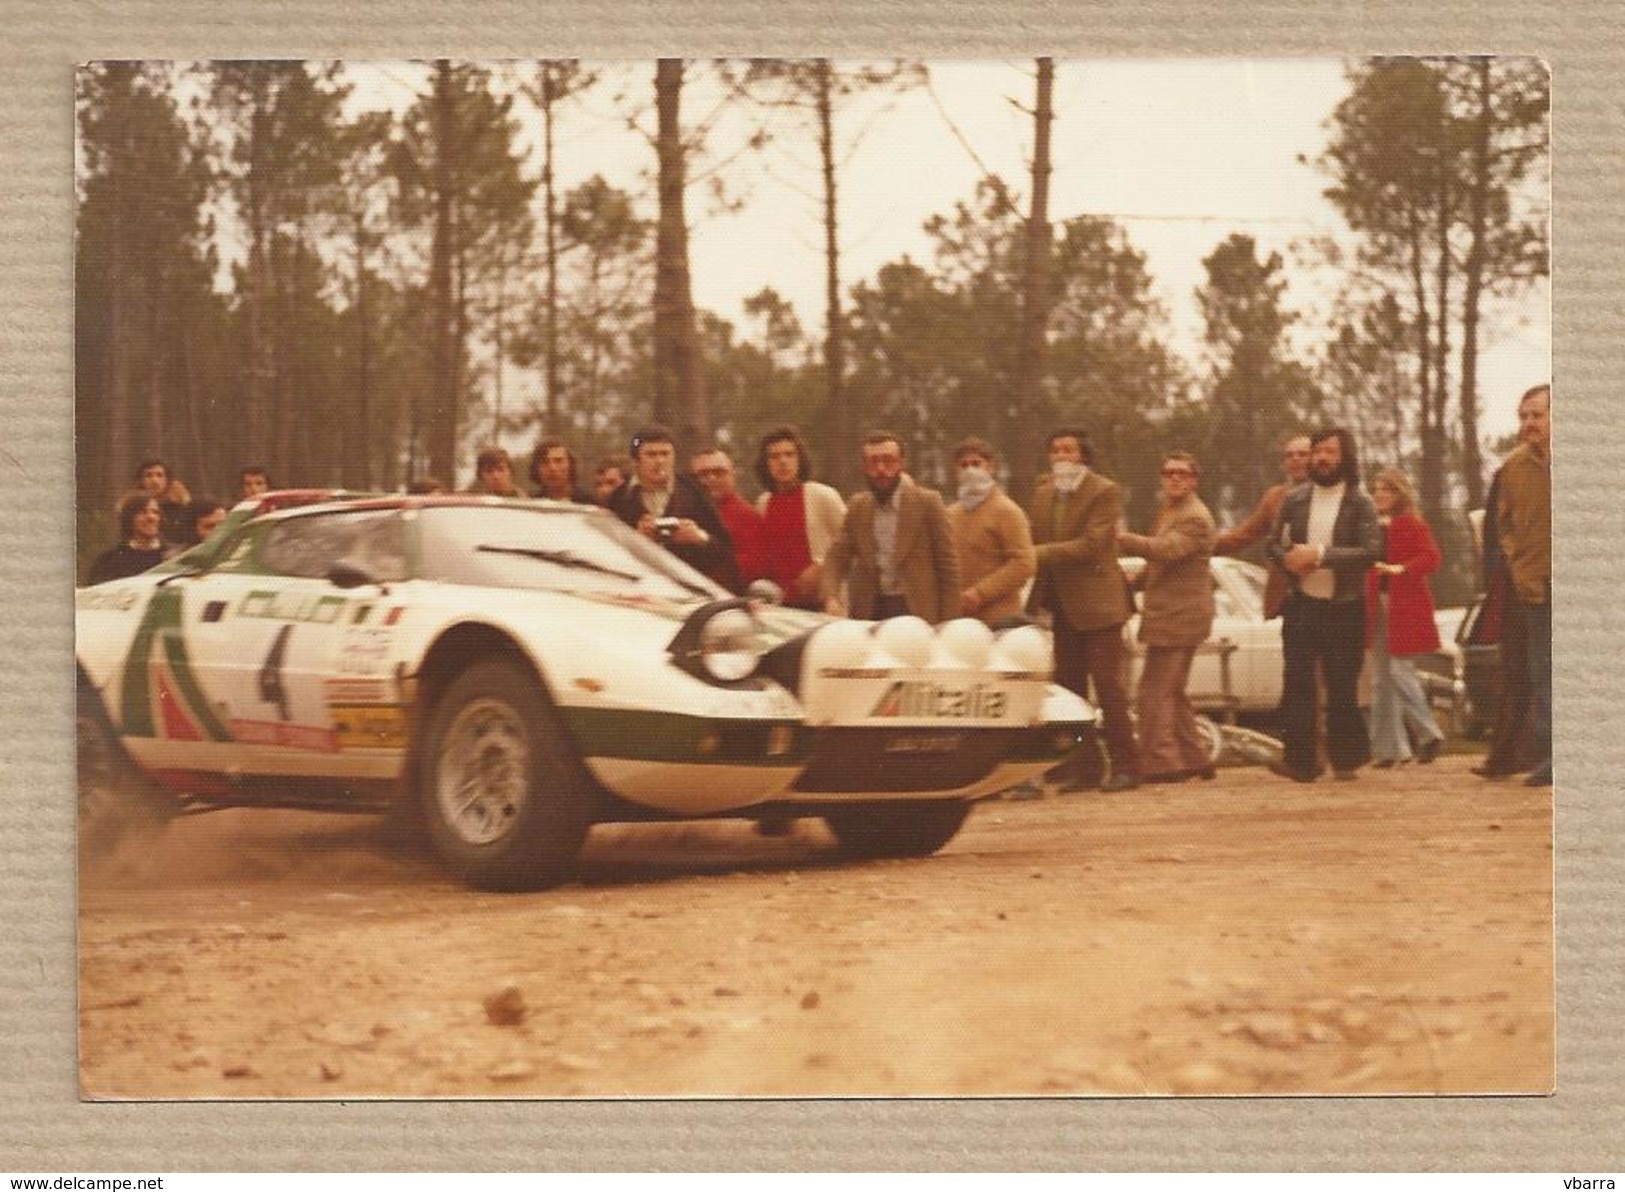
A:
{"points": [[1183, 152]]}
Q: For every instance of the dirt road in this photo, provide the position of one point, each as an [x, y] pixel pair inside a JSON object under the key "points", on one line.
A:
{"points": [[1245, 935]]}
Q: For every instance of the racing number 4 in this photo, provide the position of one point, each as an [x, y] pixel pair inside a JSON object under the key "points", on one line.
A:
{"points": [[272, 690]]}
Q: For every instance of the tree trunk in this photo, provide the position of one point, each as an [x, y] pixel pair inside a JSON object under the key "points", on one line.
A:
{"points": [[1424, 345], [679, 397], [359, 454], [442, 427], [842, 420], [498, 345], [1433, 463], [1020, 431], [1472, 464], [550, 425], [259, 365]]}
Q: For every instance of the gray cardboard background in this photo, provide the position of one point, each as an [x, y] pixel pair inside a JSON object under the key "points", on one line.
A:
{"points": [[44, 1128]]}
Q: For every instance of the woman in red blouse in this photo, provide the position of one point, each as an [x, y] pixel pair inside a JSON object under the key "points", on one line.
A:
{"points": [[1400, 624]]}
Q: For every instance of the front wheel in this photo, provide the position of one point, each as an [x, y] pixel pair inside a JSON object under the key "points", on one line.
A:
{"points": [[506, 801], [899, 829]]}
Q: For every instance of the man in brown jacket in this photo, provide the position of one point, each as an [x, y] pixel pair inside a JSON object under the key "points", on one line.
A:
{"points": [[1524, 522], [991, 538], [1074, 516], [895, 552], [1175, 618], [1295, 466]]}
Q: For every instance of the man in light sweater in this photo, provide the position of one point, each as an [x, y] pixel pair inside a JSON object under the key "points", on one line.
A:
{"points": [[1326, 536], [991, 537]]}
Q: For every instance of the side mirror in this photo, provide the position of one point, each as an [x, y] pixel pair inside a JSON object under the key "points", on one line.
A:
{"points": [[765, 591], [346, 574]]}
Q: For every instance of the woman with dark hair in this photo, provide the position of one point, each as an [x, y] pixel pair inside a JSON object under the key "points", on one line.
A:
{"points": [[1400, 624], [800, 517], [552, 473], [141, 545]]}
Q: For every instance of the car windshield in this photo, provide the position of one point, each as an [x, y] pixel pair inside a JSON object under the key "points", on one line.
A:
{"points": [[562, 549]]}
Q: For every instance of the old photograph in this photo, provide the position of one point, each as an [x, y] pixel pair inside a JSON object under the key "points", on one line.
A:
{"points": [[814, 578]]}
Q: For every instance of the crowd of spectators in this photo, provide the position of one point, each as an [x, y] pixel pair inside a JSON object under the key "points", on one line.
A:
{"points": [[1348, 574]]}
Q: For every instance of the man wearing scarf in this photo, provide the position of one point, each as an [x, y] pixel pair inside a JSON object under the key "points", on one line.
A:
{"points": [[1074, 514], [895, 545], [991, 537]]}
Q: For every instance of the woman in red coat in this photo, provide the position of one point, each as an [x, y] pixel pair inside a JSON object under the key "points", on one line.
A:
{"points": [[1399, 624]]}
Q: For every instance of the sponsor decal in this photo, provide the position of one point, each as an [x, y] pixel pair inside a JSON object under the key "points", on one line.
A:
{"points": [[292, 606], [356, 691], [940, 744], [278, 732], [918, 699], [369, 726], [148, 678], [364, 651], [104, 599]]}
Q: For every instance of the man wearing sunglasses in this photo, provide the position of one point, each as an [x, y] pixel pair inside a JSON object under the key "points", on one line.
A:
{"points": [[1176, 618]]}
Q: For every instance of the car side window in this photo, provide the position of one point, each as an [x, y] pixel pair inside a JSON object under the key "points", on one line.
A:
{"points": [[309, 546]]}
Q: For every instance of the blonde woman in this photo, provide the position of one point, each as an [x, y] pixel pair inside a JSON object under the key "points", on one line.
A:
{"points": [[1399, 625]]}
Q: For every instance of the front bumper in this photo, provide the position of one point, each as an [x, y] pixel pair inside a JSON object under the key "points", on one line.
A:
{"points": [[845, 765]]}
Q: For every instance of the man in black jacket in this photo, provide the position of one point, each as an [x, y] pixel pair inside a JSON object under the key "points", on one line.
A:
{"points": [[673, 510], [1326, 536]]}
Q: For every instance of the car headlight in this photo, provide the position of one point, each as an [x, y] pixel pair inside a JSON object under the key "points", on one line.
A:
{"points": [[1025, 649], [728, 645], [720, 643]]}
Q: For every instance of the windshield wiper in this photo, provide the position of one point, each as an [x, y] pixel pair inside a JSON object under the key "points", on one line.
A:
{"points": [[563, 558]]}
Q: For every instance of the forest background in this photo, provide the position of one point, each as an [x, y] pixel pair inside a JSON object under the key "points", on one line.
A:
{"points": [[357, 274]]}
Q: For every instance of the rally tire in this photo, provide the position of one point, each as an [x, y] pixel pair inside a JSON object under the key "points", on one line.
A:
{"points": [[906, 828], [116, 800], [505, 798]]}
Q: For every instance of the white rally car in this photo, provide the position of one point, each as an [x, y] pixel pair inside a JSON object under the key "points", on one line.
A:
{"points": [[512, 672]]}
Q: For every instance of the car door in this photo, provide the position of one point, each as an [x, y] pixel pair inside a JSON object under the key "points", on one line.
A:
{"points": [[1255, 664], [270, 631]]}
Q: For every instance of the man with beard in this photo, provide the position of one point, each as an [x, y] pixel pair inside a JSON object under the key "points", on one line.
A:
{"points": [[1074, 516], [1326, 537], [673, 510], [1295, 467], [894, 545]]}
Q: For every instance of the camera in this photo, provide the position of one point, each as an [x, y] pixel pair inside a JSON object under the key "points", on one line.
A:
{"points": [[665, 527]]}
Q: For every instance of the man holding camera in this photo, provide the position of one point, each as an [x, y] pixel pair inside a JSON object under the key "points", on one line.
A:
{"points": [[673, 510]]}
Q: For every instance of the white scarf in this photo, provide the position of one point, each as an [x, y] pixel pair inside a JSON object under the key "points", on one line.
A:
{"points": [[975, 486], [1068, 474]]}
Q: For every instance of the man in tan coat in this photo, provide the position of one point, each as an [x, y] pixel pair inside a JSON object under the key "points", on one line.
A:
{"points": [[991, 537], [1175, 618], [1295, 467], [1524, 522], [895, 552], [1074, 516]]}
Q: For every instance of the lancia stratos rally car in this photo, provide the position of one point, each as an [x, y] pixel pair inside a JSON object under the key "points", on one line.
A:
{"points": [[511, 672]]}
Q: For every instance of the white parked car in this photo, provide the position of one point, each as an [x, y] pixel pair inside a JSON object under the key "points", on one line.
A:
{"points": [[512, 672], [1239, 668]]}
